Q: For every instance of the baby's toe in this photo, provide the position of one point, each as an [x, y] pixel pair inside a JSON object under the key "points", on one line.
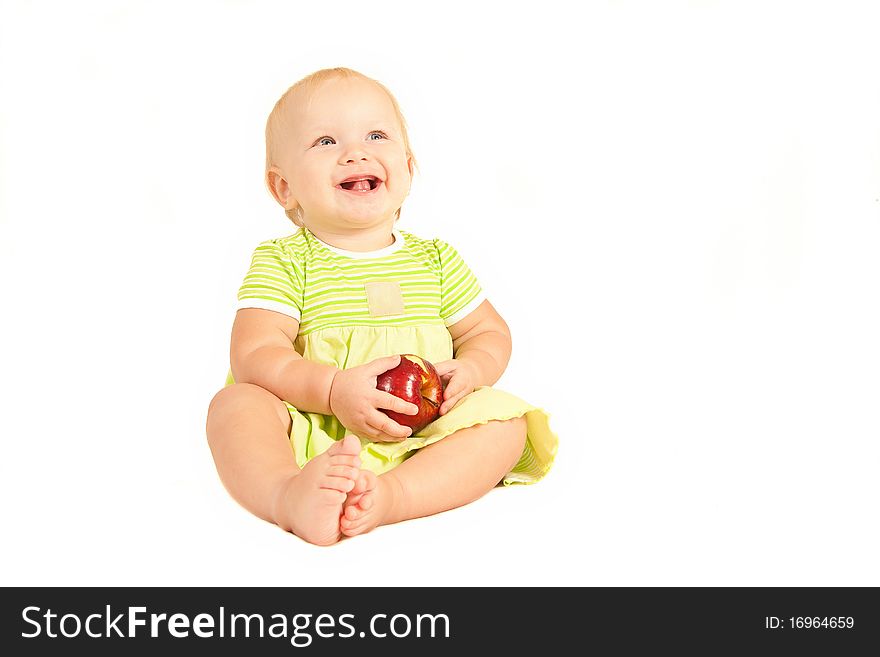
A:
{"points": [[366, 481], [354, 527], [344, 471], [344, 459], [365, 503], [341, 484], [350, 446], [353, 511]]}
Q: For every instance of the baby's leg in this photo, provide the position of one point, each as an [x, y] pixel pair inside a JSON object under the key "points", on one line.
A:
{"points": [[452, 472], [248, 431]]}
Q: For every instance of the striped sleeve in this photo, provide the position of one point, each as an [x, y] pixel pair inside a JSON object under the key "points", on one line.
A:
{"points": [[273, 282], [460, 293]]}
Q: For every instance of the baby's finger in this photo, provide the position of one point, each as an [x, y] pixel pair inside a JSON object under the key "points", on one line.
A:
{"points": [[455, 387], [381, 365], [449, 403], [387, 428], [391, 403], [444, 367], [369, 433]]}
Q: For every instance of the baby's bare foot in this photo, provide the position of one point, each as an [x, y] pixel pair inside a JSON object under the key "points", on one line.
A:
{"points": [[365, 482], [311, 502], [366, 505]]}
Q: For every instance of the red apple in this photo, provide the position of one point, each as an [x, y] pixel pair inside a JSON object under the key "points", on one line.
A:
{"points": [[414, 380]]}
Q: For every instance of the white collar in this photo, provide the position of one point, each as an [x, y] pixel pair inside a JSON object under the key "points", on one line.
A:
{"points": [[388, 250]]}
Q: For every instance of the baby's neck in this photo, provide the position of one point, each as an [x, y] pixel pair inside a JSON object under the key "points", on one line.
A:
{"points": [[366, 239]]}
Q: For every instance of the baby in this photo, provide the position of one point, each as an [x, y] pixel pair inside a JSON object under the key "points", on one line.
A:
{"points": [[298, 434]]}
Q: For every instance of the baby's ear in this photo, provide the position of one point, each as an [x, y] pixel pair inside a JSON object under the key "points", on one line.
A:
{"points": [[277, 185]]}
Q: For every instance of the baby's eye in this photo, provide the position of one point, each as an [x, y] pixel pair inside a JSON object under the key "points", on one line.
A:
{"points": [[378, 132], [323, 139]]}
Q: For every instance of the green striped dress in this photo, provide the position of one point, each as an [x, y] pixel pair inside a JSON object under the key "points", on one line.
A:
{"points": [[355, 307]]}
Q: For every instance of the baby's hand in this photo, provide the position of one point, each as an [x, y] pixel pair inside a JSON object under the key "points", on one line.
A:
{"points": [[459, 378], [356, 401]]}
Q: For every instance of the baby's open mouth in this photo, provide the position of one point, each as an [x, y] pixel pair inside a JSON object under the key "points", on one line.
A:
{"points": [[361, 184]]}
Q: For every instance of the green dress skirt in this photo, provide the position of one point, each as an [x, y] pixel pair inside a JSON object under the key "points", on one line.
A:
{"points": [[345, 347]]}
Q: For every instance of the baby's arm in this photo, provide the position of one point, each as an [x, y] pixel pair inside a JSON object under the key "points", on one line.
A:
{"points": [[262, 353], [483, 340], [481, 344]]}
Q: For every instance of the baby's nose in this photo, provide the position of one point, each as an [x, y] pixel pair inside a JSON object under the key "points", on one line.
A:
{"points": [[355, 153]]}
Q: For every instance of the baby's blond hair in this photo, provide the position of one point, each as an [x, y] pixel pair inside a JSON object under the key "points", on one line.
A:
{"points": [[275, 132]]}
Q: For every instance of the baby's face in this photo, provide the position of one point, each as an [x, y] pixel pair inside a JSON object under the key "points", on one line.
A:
{"points": [[348, 131]]}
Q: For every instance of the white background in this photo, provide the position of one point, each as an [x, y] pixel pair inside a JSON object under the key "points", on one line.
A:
{"points": [[675, 208]]}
